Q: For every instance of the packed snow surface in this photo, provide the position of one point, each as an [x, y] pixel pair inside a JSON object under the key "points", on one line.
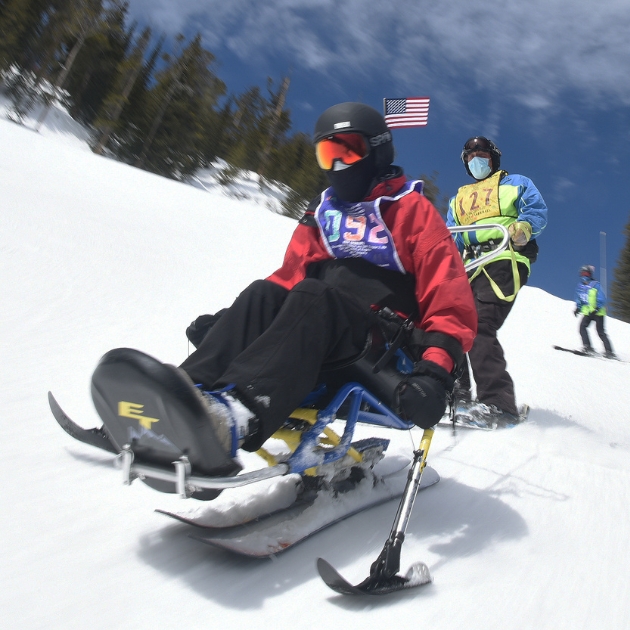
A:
{"points": [[528, 527]]}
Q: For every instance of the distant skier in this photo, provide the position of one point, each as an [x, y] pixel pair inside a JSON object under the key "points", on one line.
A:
{"points": [[371, 241], [590, 302], [512, 201]]}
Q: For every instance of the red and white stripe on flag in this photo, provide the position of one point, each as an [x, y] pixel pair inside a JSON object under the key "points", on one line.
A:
{"points": [[406, 112]]}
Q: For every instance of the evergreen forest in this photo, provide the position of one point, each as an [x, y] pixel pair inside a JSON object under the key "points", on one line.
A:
{"points": [[151, 103]]}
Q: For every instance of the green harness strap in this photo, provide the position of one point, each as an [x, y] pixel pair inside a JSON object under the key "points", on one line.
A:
{"points": [[495, 286]]}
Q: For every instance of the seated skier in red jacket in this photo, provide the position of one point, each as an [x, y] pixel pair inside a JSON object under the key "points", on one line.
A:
{"points": [[371, 240]]}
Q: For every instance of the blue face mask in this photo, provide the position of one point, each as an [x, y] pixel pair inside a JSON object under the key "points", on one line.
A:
{"points": [[479, 167]]}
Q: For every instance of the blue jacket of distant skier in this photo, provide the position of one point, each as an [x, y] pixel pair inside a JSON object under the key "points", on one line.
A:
{"points": [[590, 298]]}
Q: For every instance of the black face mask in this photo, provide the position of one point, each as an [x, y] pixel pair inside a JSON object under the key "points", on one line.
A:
{"points": [[352, 184]]}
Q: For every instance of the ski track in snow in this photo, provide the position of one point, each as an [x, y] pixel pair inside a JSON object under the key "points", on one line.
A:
{"points": [[527, 528]]}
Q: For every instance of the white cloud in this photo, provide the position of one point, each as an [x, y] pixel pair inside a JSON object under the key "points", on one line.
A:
{"points": [[526, 50]]}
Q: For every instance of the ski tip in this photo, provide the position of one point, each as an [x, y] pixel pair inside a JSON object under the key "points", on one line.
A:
{"points": [[417, 575], [52, 401]]}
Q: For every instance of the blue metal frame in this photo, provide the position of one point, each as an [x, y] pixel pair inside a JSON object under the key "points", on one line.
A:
{"points": [[309, 454]]}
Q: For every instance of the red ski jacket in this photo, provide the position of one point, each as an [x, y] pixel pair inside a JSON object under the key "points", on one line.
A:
{"points": [[426, 250]]}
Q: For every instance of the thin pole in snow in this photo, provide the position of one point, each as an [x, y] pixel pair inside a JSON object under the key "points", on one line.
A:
{"points": [[602, 261]]}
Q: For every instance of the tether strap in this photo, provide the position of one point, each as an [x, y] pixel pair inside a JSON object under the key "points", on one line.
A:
{"points": [[495, 286]]}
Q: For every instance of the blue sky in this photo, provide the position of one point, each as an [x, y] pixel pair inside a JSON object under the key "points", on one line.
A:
{"points": [[547, 81]]}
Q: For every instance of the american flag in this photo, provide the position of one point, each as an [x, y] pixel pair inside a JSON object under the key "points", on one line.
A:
{"points": [[406, 112]]}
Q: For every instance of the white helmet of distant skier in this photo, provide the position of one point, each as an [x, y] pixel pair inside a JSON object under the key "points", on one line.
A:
{"points": [[587, 271]]}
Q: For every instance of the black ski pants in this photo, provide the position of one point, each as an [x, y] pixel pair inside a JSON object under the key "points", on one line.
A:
{"points": [[271, 344], [487, 359], [599, 326]]}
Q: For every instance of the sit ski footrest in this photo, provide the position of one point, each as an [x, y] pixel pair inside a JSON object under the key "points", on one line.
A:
{"points": [[185, 483], [307, 456]]}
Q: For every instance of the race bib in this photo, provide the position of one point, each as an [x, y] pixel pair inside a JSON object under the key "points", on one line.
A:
{"points": [[478, 201], [357, 230]]}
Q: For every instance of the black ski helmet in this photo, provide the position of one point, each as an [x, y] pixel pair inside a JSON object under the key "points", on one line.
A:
{"points": [[353, 182], [481, 143], [587, 271]]}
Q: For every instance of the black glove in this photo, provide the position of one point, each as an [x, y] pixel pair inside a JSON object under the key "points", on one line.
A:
{"points": [[200, 327], [421, 397], [576, 312]]}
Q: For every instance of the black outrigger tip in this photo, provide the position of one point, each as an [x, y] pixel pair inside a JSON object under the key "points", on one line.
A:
{"points": [[417, 575]]}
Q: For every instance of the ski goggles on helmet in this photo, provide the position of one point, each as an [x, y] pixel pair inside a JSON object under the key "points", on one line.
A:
{"points": [[477, 144], [348, 148]]}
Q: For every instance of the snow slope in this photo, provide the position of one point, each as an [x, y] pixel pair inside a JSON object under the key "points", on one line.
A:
{"points": [[528, 528]]}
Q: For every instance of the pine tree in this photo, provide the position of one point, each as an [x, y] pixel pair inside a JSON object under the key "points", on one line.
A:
{"points": [[80, 20], [620, 288], [17, 20], [278, 121], [218, 132], [295, 165], [133, 125], [249, 130], [25, 49], [95, 70], [128, 72], [187, 91]]}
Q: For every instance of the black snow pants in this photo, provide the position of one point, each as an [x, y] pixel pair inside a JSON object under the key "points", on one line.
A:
{"points": [[487, 360], [599, 326], [271, 344]]}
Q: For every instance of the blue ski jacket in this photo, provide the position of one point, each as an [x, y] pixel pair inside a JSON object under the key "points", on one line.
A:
{"points": [[590, 298]]}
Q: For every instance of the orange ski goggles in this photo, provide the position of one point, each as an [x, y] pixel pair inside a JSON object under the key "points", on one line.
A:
{"points": [[348, 148]]}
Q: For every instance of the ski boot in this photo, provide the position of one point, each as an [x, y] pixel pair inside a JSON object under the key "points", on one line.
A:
{"points": [[481, 416]]}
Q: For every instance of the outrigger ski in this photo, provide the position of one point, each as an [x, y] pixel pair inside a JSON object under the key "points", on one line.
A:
{"points": [[384, 577], [417, 575]]}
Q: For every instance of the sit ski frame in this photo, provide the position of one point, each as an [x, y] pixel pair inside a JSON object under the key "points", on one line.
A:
{"points": [[307, 457]]}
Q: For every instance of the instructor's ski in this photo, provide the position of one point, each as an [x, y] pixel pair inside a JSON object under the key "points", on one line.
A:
{"points": [[463, 418]]}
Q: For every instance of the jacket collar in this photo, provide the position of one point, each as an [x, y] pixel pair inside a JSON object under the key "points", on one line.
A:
{"points": [[388, 185]]}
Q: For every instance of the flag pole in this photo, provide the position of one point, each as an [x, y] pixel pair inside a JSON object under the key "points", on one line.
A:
{"points": [[602, 262]]}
